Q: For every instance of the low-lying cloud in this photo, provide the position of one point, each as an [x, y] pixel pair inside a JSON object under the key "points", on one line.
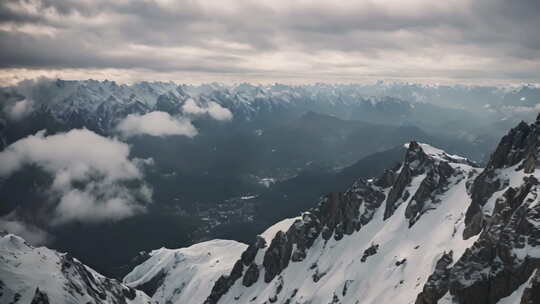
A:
{"points": [[19, 109], [93, 177], [32, 234], [156, 124], [213, 109]]}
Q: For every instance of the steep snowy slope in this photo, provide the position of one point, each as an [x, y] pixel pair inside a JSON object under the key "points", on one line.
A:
{"points": [[435, 230], [184, 275], [345, 250], [41, 275]]}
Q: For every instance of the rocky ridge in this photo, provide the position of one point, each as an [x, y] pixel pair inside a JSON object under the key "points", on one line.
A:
{"points": [[40, 275], [424, 177]]}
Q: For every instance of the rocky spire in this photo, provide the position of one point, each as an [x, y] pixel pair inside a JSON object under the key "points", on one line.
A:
{"points": [[519, 148]]}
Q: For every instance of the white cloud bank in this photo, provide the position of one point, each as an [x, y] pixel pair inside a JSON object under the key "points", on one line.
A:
{"points": [[156, 124], [215, 110], [90, 172]]}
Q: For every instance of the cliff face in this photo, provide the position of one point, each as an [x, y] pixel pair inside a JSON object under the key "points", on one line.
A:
{"points": [[505, 216]]}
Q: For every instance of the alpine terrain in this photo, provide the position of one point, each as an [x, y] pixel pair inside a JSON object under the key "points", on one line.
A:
{"points": [[435, 229]]}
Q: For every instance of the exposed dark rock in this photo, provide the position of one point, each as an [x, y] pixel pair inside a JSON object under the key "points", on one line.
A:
{"points": [[417, 162], [251, 276], [531, 294], [387, 179], [40, 297], [249, 255], [437, 284], [403, 180], [520, 145], [492, 269], [372, 250], [435, 183], [224, 283], [401, 262], [277, 256], [16, 297], [318, 275]]}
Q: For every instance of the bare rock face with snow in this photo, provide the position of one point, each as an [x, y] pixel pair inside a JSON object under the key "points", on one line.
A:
{"points": [[375, 242], [408, 237], [40, 275], [505, 216]]}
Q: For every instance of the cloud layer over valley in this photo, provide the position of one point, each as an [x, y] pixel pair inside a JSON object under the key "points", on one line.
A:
{"points": [[90, 173], [156, 124]]}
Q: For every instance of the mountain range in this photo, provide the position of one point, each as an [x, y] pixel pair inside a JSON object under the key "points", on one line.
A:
{"points": [[230, 160], [437, 228]]}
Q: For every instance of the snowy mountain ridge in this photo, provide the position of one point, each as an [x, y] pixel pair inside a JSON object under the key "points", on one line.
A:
{"points": [[40, 275], [183, 275], [412, 236], [435, 229]]}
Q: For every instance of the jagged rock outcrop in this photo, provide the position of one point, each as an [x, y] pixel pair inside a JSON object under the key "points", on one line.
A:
{"points": [[435, 173], [342, 214], [505, 214], [437, 284], [518, 151], [338, 214], [40, 297], [501, 259], [251, 276], [531, 294]]}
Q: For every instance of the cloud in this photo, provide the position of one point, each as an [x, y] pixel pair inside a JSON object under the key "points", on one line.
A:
{"points": [[156, 124], [93, 177], [215, 110], [279, 40], [30, 233], [19, 109]]}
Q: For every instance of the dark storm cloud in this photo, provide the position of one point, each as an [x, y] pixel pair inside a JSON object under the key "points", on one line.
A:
{"points": [[488, 39]]}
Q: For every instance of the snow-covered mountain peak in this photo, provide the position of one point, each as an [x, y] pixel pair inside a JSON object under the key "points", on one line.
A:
{"points": [[184, 275], [12, 242], [435, 153], [426, 172], [41, 275]]}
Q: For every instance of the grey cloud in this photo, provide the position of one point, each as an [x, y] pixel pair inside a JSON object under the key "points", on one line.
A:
{"points": [[32, 234], [155, 124], [253, 37], [18, 109], [90, 175], [213, 109]]}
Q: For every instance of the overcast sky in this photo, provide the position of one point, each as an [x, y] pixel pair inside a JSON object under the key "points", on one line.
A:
{"points": [[463, 41]]}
